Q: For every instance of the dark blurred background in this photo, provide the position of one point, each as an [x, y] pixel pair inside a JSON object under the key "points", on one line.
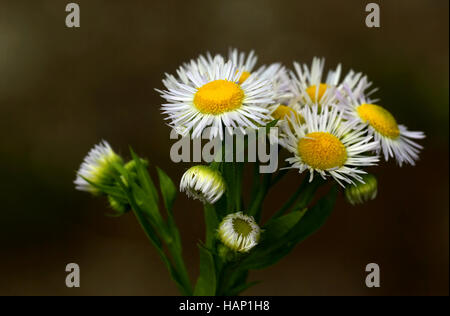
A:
{"points": [[62, 90]]}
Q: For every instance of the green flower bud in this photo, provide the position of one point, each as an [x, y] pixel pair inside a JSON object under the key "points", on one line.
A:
{"points": [[131, 165], [362, 192], [118, 205]]}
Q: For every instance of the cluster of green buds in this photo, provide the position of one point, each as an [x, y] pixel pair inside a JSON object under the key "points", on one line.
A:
{"points": [[128, 187], [98, 174]]}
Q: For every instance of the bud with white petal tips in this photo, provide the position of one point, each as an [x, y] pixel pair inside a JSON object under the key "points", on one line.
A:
{"points": [[362, 192], [203, 183], [97, 168], [239, 232]]}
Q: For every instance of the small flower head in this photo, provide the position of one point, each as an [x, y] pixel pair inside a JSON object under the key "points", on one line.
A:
{"points": [[203, 183], [244, 63], [209, 93], [98, 168], [239, 232], [395, 140], [282, 112], [362, 192], [309, 84], [328, 145]]}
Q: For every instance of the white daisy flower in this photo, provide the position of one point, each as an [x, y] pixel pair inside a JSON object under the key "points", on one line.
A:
{"points": [[215, 98], [328, 145], [203, 183], [395, 140], [309, 86], [239, 232], [276, 73], [97, 167], [200, 65], [244, 63]]}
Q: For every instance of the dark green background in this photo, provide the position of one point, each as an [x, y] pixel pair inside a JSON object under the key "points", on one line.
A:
{"points": [[62, 90]]}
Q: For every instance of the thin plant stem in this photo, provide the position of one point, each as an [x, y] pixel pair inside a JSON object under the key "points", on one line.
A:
{"points": [[255, 206], [185, 285], [301, 197], [211, 224]]}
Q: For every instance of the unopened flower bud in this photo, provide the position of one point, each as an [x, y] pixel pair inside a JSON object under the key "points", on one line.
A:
{"points": [[362, 192], [239, 232], [118, 205], [203, 183], [98, 168]]}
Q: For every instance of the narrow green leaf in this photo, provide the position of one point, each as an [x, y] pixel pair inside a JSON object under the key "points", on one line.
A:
{"points": [[271, 124], [241, 288], [143, 177], [276, 228], [168, 189], [263, 256], [169, 193], [206, 283]]}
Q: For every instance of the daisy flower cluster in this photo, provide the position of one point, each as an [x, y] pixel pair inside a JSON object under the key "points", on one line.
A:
{"points": [[328, 124], [327, 121]]}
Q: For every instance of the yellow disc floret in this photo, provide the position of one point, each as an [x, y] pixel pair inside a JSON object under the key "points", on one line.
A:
{"points": [[219, 96], [320, 92], [380, 119], [321, 150], [241, 227], [282, 112], [244, 76]]}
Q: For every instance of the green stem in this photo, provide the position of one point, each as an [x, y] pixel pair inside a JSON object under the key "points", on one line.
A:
{"points": [[291, 200], [303, 194], [180, 270], [180, 267], [211, 223], [255, 204], [256, 182], [279, 176], [238, 189], [308, 194], [227, 278]]}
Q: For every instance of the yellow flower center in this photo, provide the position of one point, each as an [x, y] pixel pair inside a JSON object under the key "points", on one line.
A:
{"points": [[284, 111], [219, 96], [244, 76], [320, 92], [322, 151], [241, 227], [380, 119]]}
